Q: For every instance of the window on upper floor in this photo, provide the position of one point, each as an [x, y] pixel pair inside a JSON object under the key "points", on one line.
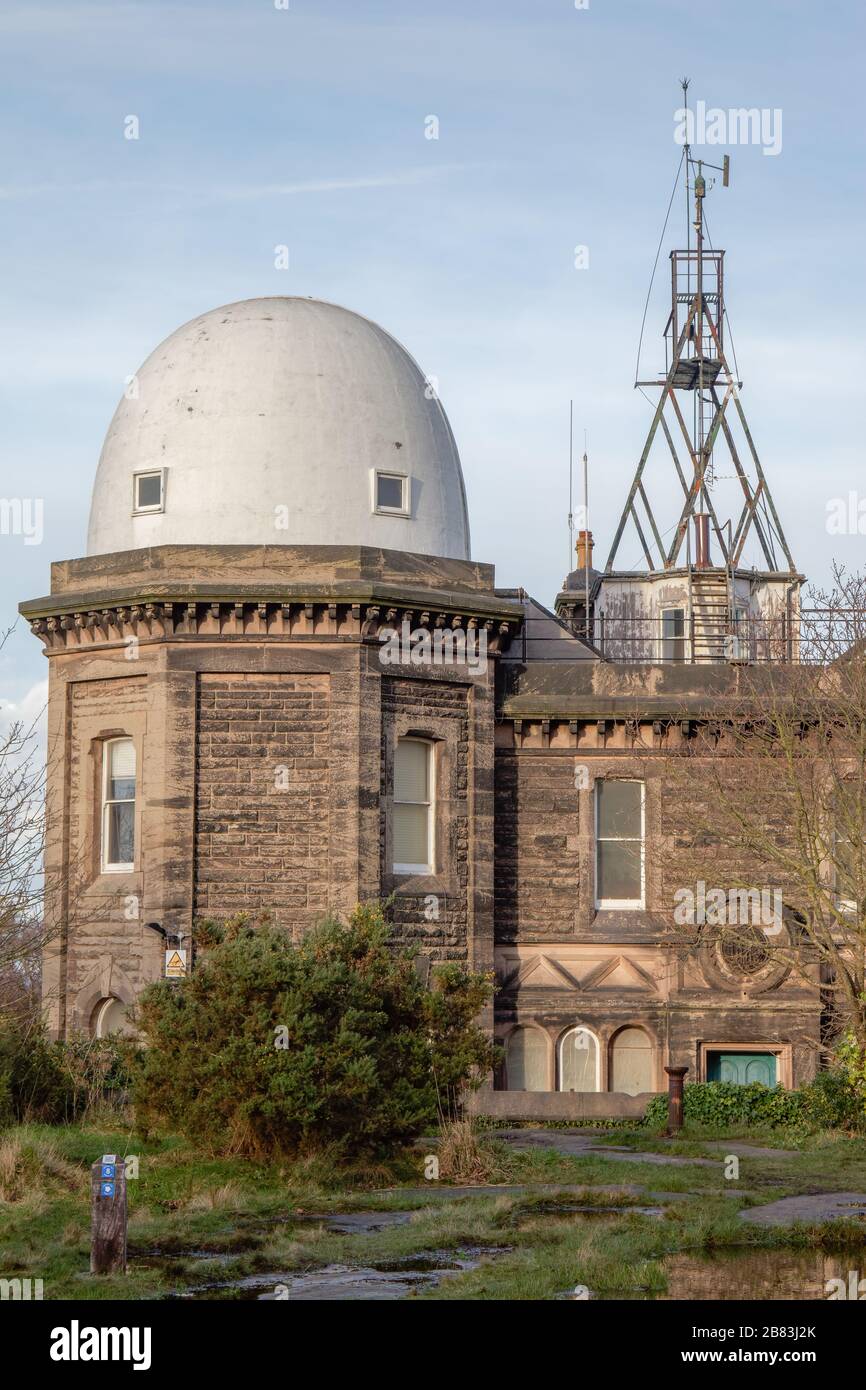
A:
{"points": [[619, 843], [849, 866], [118, 805], [414, 792], [674, 634]]}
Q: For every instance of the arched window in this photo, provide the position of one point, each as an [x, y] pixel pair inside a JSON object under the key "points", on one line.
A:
{"points": [[414, 848], [631, 1062], [118, 805], [579, 1061], [526, 1060], [109, 1017]]}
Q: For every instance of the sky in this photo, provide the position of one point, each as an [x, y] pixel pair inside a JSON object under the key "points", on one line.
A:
{"points": [[307, 124]]}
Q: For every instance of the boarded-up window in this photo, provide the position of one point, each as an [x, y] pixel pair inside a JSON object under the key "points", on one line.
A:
{"points": [[631, 1062], [526, 1060], [578, 1061]]}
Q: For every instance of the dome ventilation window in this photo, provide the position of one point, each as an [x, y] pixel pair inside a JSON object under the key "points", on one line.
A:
{"points": [[148, 491], [390, 493]]}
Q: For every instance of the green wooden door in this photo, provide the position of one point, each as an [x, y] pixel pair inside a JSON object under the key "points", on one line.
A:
{"points": [[742, 1067]]}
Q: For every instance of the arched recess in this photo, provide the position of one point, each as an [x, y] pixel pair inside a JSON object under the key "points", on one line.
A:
{"points": [[110, 1017], [526, 1060], [632, 1069], [579, 1061], [105, 981]]}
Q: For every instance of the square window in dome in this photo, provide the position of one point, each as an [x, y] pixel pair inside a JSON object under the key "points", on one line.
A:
{"points": [[390, 493], [148, 491]]}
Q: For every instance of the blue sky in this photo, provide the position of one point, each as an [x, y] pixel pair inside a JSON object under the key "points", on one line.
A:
{"points": [[306, 127]]}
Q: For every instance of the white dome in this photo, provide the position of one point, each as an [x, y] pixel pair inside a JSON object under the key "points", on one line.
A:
{"points": [[272, 419]]}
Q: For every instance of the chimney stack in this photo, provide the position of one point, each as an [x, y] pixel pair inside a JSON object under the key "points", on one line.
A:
{"points": [[584, 550], [702, 541]]}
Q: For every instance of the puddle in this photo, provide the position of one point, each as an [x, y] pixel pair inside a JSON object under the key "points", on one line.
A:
{"points": [[392, 1279], [809, 1209], [145, 1258], [350, 1223], [753, 1274], [569, 1208]]}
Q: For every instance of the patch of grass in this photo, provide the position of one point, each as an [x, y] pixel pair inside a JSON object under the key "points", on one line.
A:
{"points": [[32, 1169], [250, 1217]]}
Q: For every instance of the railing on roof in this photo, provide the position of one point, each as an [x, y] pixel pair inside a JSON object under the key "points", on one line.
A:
{"points": [[814, 636]]}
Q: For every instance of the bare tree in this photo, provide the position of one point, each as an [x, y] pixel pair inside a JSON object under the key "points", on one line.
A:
{"points": [[23, 930]]}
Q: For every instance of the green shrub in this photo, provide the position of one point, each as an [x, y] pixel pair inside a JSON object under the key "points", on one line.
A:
{"points": [[832, 1101], [54, 1082], [33, 1084], [100, 1069], [851, 1059], [828, 1102], [722, 1103], [270, 1047]]}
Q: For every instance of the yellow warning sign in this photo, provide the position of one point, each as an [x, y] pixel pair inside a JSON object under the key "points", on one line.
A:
{"points": [[175, 965]]}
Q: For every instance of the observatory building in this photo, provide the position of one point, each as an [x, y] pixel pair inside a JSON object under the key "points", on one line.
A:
{"points": [[280, 682]]}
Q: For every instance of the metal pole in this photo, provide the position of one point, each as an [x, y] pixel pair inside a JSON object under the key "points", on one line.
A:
{"points": [[586, 547], [570, 486]]}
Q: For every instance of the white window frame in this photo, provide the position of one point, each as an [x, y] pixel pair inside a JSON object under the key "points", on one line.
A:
{"points": [[569, 1032], [846, 907], [156, 506], [627, 904], [430, 803], [737, 646], [683, 641], [404, 508], [105, 864]]}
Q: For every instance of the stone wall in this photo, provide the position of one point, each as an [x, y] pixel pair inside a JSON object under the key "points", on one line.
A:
{"points": [[262, 796], [105, 951], [432, 912], [559, 1105], [538, 849], [562, 962]]}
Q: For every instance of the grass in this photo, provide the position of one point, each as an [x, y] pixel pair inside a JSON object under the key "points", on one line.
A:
{"points": [[250, 1217]]}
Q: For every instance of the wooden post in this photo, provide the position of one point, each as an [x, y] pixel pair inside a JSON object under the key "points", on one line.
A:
{"points": [[108, 1216], [676, 1076]]}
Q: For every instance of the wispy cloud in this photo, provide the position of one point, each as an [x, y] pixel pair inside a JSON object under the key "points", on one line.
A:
{"points": [[28, 710], [336, 185], [236, 192]]}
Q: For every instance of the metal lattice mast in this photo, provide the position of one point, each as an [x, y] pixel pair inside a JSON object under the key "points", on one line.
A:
{"points": [[698, 366]]}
